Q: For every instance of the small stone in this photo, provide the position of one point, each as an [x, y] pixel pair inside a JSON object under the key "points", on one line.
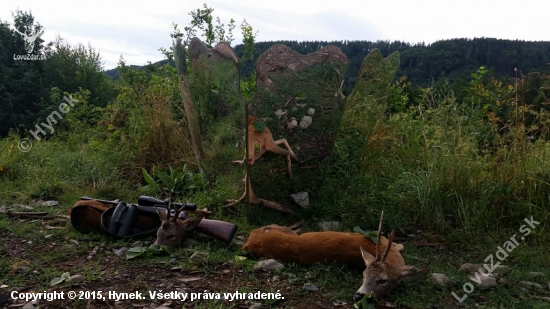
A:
{"points": [[75, 279], [301, 198], [441, 280], [530, 284], [74, 241], [226, 271], [275, 278], [48, 236], [28, 306], [306, 121], [50, 203], [255, 306], [268, 265], [308, 275], [4, 286], [120, 251], [311, 111], [501, 270], [30, 208], [535, 274], [280, 113], [486, 282], [292, 124], [176, 268], [21, 269], [470, 268], [329, 225], [310, 287]]}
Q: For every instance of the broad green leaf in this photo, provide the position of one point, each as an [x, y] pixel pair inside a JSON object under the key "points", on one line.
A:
{"points": [[56, 281], [368, 234], [150, 180]]}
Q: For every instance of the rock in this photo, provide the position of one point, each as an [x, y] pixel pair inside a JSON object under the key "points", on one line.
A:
{"points": [[280, 113], [308, 275], [21, 269], [75, 279], [280, 59], [292, 124], [28, 306], [50, 203], [255, 306], [470, 268], [120, 252], [74, 241], [48, 236], [306, 121], [226, 271], [501, 270], [535, 274], [29, 208], [486, 282], [176, 268], [311, 111], [529, 284], [3, 286], [301, 198], [268, 265], [441, 280], [310, 287], [329, 225]]}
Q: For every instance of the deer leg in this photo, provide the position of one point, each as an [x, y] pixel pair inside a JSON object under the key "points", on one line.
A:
{"points": [[253, 199], [240, 161], [273, 147]]}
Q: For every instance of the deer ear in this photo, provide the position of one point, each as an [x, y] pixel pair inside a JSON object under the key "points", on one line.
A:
{"points": [[367, 257], [162, 213], [192, 223], [411, 273]]}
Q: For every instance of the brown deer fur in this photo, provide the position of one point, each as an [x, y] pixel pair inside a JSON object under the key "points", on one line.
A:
{"points": [[284, 244], [266, 142]]}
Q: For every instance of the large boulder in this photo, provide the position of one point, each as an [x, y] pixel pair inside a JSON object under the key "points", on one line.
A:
{"points": [[299, 98]]}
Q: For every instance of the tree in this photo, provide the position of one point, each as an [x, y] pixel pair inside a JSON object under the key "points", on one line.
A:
{"points": [[20, 80]]}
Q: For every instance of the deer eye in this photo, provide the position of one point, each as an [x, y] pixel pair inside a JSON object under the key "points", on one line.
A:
{"points": [[382, 281]]}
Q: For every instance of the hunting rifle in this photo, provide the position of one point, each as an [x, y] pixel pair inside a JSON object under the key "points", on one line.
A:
{"points": [[221, 230]]}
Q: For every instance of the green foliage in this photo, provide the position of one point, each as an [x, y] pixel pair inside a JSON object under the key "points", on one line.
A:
{"points": [[174, 183], [135, 252], [58, 280], [249, 37]]}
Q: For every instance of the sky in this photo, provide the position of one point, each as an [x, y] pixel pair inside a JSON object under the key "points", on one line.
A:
{"points": [[136, 31]]}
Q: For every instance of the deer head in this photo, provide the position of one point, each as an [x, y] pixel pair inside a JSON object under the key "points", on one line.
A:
{"points": [[173, 230], [381, 277], [29, 39]]}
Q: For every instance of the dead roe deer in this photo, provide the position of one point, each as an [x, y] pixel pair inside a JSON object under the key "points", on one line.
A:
{"points": [[381, 275]]}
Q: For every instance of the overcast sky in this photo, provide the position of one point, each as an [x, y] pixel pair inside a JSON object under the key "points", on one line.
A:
{"points": [[136, 31]]}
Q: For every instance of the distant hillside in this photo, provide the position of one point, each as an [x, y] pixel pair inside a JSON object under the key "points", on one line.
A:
{"points": [[422, 63]]}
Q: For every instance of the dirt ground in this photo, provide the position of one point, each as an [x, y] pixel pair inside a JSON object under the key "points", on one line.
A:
{"points": [[104, 271]]}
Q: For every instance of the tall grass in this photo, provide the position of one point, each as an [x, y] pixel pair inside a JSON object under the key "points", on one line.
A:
{"points": [[448, 167]]}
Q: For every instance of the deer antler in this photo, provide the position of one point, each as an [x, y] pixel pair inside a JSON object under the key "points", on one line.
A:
{"points": [[390, 239], [377, 258], [23, 34]]}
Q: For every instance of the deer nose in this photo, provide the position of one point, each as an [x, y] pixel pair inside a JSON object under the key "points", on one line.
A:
{"points": [[358, 296]]}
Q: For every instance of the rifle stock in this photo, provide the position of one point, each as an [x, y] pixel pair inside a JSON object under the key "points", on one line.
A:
{"points": [[221, 230]]}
